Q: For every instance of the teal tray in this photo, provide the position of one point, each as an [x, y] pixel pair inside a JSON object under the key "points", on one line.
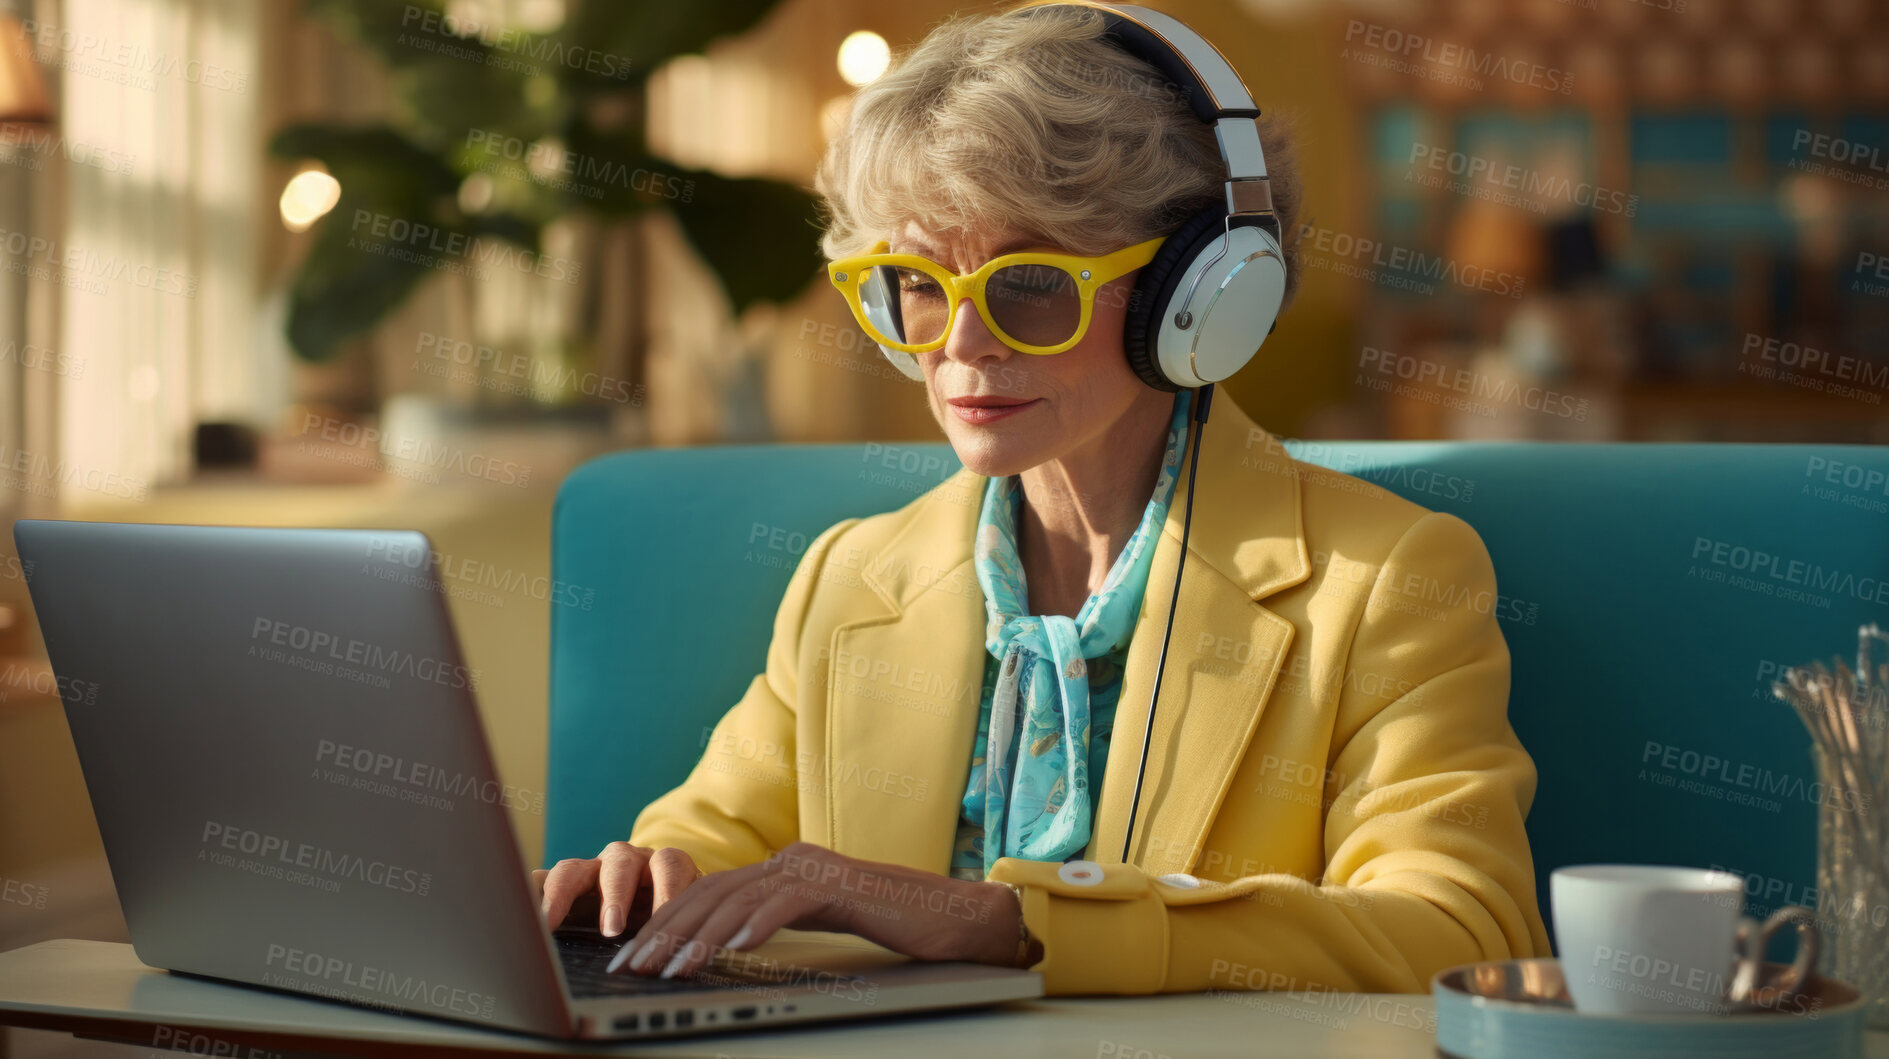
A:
{"points": [[1519, 1009]]}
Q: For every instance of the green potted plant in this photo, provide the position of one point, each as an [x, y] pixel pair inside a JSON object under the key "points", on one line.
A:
{"points": [[548, 126]]}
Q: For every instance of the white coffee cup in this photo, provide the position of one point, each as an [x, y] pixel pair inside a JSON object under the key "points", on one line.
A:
{"points": [[1643, 938]]}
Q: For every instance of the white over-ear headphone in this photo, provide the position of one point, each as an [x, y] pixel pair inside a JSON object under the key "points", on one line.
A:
{"points": [[1203, 306]]}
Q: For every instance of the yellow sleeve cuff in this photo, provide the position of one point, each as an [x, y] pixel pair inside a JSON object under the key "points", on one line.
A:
{"points": [[1103, 928]]}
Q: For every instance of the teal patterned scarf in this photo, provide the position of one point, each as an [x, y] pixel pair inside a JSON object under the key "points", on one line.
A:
{"points": [[1033, 787]]}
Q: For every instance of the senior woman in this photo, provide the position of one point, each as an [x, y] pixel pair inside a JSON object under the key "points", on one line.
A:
{"points": [[1332, 797]]}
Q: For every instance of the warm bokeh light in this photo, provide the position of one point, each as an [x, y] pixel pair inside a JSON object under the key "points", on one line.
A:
{"points": [[864, 55], [309, 195], [475, 193], [545, 158], [469, 18], [541, 16]]}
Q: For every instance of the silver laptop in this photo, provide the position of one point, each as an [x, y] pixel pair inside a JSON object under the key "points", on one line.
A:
{"points": [[282, 748]]}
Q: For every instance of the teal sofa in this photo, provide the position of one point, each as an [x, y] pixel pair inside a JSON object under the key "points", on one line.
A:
{"points": [[1650, 600]]}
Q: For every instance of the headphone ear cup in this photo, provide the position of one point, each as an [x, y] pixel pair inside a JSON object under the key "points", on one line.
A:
{"points": [[1155, 286]]}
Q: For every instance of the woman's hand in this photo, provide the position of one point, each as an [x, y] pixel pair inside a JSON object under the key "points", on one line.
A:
{"points": [[617, 876], [809, 887]]}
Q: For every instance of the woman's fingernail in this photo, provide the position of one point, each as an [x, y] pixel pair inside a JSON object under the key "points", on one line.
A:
{"points": [[675, 964], [622, 957], [741, 938], [642, 955], [612, 921]]}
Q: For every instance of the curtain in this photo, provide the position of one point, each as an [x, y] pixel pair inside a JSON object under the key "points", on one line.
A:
{"points": [[158, 261]]}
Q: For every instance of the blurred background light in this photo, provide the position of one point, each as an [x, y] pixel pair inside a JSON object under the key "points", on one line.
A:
{"points": [[308, 196], [540, 16], [475, 193], [864, 55]]}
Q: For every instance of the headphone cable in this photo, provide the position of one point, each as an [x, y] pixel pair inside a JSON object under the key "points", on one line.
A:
{"points": [[1205, 393]]}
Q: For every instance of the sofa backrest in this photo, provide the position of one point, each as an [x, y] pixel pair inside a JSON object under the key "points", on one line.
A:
{"points": [[1649, 594]]}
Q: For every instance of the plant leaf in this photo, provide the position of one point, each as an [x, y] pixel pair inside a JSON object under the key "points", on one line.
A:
{"points": [[614, 175], [452, 87], [760, 237], [397, 223], [635, 37]]}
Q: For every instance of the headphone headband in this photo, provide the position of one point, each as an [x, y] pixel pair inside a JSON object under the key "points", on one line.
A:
{"points": [[1213, 89]]}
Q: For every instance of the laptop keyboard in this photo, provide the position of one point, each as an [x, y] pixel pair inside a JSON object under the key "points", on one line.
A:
{"points": [[585, 954]]}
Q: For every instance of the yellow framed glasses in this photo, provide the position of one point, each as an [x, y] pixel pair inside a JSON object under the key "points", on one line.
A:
{"points": [[1034, 302]]}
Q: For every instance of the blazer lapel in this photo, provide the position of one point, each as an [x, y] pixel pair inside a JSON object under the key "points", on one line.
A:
{"points": [[904, 687], [1224, 658], [904, 683]]}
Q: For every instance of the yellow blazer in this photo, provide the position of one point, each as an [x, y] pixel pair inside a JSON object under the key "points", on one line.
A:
{"points": [[1334, 796]]}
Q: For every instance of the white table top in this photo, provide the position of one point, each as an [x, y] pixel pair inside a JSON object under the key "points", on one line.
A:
{"points": [[100, 988], [96, 988]]}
